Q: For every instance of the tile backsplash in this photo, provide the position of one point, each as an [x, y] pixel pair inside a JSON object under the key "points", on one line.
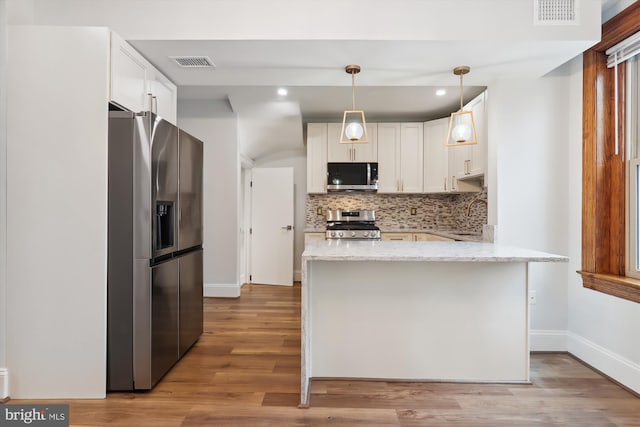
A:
{"points": [[393, 211]]}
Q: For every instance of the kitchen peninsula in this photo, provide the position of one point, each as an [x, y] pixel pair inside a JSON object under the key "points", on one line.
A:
{"points": [[414, 311]]}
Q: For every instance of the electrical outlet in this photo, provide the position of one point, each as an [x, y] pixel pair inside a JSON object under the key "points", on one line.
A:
{"points": [[414, 211], [532, 297], [319, 211]]}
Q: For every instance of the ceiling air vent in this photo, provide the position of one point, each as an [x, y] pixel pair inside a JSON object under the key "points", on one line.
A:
{"points": [[555, 12], [194, 61]]}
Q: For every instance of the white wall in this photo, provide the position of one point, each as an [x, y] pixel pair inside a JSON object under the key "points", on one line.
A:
{"points": [[3, 199], [298, 161], [216, 125], [57, 212], [528, 127]]}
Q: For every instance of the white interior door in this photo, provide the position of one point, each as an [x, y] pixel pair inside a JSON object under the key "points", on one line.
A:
{"points": [[272, 226]]}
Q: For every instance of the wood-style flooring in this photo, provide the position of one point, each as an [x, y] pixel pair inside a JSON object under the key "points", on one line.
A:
{"points": [[245, 371]]}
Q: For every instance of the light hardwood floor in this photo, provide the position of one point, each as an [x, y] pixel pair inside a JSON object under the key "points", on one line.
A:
{"points": [[245, 371]]}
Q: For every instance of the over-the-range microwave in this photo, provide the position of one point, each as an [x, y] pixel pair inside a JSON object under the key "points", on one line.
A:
{"points": [[352, 177]]}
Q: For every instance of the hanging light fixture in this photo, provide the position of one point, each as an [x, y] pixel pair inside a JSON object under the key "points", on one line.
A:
{"points": [[462, 128], [354, 126]]}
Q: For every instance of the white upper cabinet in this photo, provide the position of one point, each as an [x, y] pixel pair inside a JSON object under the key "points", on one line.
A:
{"points": [[400, 157], [317, 157], [344, 153], [128, 75], [137, 85], [436, 157], [164, 96], [469, 160]]}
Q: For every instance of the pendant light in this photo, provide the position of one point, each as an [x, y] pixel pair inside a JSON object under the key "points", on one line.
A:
{"points": [[462, 127], [354, 126]]}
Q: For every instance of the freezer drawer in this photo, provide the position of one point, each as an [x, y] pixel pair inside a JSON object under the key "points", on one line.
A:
{"points": [[191, 310]]}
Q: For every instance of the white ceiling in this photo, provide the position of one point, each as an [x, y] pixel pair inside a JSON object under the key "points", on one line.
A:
{"points": [[397, 82]]}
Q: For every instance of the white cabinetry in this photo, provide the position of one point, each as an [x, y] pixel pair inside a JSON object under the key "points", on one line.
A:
{"points": [[400, 157], [317, 157], [128, 76], [469, 160], [137, 85], [436, 157], [344, 153], [414, 237]]}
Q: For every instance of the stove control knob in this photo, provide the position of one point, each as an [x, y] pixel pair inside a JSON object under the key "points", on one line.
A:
{"points": [[353, 234], [340, 234], [333, 234], [365, 234]]}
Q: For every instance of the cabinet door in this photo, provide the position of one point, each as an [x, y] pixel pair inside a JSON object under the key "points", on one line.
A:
{"points": [[427, 237], [411, 157], [165, 94], [128, 75], [337, 152], [317, 158], [397, 236], [436, 156], [388, 157], [479, 151], [367, 152], [470, 160]]}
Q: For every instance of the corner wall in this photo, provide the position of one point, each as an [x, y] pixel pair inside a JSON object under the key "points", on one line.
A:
{"points": [[215, 124]]}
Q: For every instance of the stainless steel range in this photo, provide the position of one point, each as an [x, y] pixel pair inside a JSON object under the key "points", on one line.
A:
{"points": [[352, 225]]}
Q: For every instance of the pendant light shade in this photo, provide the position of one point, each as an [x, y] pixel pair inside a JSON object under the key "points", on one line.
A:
{"points": [[354, 125], [462, 127]]}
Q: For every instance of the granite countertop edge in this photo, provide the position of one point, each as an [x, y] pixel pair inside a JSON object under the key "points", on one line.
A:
{"points": [[423, 251]]}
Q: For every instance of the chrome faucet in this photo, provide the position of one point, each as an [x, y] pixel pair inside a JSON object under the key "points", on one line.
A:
{"points": [[468, 211]]}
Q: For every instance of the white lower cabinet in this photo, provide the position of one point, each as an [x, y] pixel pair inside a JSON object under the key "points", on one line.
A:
{"points": [[414, 237], [400, 157]]}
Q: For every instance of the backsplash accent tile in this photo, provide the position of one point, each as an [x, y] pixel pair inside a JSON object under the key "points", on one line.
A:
{"points": [[393, 211]]}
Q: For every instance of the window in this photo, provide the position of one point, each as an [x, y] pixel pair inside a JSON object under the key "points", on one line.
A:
{"points": [[633, 169], [609, 258]]}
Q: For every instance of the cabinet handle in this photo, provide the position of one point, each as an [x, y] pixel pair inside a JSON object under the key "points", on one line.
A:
{"points": [[353, 150], [466, 167], [453, 182], [445, 183], [154, 105]]}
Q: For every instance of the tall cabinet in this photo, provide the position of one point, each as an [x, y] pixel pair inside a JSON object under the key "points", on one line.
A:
{"points": [[317, 157], [400, 157]]}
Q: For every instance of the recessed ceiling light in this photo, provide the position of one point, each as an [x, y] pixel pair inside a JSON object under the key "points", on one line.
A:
{"points": [[441, 92], [282, 91]]}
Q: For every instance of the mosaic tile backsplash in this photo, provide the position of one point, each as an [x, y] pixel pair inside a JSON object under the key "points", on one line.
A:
{"points": [[393, 211]]}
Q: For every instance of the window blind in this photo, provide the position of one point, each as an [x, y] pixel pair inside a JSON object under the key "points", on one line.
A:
{"points": [[624, 50]]}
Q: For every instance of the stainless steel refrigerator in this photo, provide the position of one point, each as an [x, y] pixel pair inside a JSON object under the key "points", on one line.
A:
{"points": [[155, 282]]}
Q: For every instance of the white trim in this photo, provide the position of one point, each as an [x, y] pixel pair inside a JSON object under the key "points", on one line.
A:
{"points": [[297, 275], [4, 384], [222, 290], [547, 340], [621, 369]]}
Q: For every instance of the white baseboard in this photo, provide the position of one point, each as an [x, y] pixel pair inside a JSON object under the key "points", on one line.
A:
{"points": [[547, 340], [222, 290], [4, 384], [297, 275], [611, 364]]}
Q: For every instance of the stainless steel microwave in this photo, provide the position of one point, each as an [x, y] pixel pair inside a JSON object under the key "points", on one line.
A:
{"points": [[352, 177]]}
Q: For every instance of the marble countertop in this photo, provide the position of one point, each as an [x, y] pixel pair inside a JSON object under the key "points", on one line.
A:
{"points": [[341, 250], [451, 234]]}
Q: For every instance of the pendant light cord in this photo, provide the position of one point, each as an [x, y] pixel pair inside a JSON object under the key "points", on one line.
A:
{"points": [[461, 91], [353, 91]]}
